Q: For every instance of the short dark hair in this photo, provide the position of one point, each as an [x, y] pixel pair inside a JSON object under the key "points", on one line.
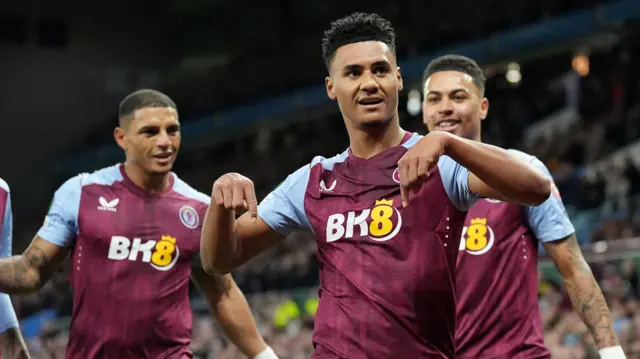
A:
{"points": [[357, 27], [142, 99], [457, 63]]}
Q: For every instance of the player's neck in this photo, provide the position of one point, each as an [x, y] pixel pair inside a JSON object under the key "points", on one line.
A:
{"points": [[148, 183], [366, 142]]}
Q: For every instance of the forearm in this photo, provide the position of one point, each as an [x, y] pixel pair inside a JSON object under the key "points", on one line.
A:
{"points": [[18, 276], [13, 345], [509, 176], [233, 313], [589, 302], [219, 241]]}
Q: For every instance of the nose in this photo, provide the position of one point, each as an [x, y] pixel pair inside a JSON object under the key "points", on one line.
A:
{"points": [[445, 107], [163, 140], [369, 83]]}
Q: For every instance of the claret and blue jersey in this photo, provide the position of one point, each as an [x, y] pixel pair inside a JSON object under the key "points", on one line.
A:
{"points": [[131, 263], [387, 273]]}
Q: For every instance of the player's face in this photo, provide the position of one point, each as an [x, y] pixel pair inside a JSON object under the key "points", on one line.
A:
{"points": [[453, 103], [151, 139], [365, 80]]}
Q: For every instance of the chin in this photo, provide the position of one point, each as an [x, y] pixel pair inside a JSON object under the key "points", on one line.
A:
{"points": [[374, 120], [160, 170]]}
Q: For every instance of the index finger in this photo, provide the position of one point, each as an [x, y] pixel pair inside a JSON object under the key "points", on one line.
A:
{"points": [[404, 195], [252, 201]]}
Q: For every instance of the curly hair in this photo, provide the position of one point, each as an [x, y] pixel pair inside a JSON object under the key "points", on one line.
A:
{"points": [[357, 27]]}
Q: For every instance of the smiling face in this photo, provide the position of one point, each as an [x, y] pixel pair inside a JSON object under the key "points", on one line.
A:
{"points": [[151, 139], [365, 80], [453, 103]]}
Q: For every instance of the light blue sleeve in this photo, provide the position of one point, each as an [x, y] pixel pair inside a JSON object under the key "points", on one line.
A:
{"points": [[283, 209], [549, 221], [61, 224], [8, 317], [456, 182]]}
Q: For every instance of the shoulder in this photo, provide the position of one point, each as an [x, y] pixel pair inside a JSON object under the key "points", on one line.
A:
{"points": [[522, 155], [182, 188], [319, 163], [415, 137], [532, 160], [104, 177], [4, 186], [328, 163]]}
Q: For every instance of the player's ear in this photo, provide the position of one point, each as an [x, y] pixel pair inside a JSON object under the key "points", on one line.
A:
{"points": [[328, 82], [400, 82], [119, 135], [484, 108]]}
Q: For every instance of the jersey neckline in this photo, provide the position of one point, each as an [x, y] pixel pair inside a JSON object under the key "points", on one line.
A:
{"points": [[382, 155], [131, 186]]}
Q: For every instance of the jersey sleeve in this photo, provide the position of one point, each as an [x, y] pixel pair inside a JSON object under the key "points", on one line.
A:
{"points": [[549, 221], [61, 224], [456, 182], [283, 208], [8, 317]]}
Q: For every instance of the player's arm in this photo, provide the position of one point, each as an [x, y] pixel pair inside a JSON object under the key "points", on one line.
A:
{"points": [[227, 243], [11, 340], [496, 173], [230, 308], [584, 291], [551, 225], [29, 271], [492, 171]]}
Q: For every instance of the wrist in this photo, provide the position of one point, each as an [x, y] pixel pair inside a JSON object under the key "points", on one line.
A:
{"points": [[267, 353], [446, 140], [615, 352]]}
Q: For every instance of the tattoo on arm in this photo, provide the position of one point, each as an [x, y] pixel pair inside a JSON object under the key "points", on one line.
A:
{"points": [[13, 344], [21, 274], [584, 291]]}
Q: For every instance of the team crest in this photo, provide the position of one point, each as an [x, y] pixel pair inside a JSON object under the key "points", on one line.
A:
{"points": [[189, 217], [396, 175]]}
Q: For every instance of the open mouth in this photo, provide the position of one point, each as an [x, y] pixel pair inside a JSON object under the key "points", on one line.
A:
{"points": [[448, 125], [370, 101], [163, 157]]}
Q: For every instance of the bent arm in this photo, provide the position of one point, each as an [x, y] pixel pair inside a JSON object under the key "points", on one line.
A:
{"points": [[28, 272], [227, 243], [229, 306], [495, 173], [586, 296]]}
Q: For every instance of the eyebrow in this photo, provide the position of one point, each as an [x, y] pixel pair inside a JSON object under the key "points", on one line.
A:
{"points": [[375, 64], [456, 90]]}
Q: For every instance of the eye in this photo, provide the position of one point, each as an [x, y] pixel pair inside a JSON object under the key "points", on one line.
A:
{"points": [[380, 71], [149, 131], [354, 73], [173, 130], [432, 99]]}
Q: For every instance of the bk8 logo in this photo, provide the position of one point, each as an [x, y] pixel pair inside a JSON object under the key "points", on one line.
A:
{"points": [[162, 255], [478, 238], [380, 223]]}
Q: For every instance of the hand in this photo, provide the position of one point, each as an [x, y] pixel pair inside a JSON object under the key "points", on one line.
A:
{"points": [[415, 165], [236, 192]]}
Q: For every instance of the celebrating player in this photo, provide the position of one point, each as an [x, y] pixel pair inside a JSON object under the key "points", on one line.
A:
{"points": [[133, 230], [11, 342], [387, 213], [497, 278]]}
